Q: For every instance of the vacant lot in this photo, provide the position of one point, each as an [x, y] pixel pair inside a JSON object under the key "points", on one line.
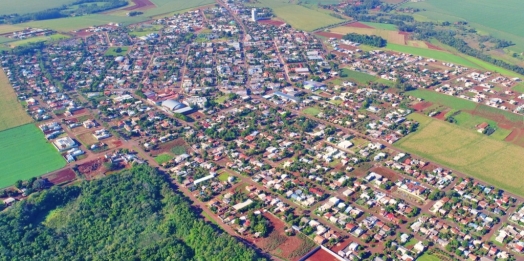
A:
{"points": [[298, 16], [11, 112], [496, 162], [163, 158], [313, 111], [441, 56], [25, 153], [443, 99]]}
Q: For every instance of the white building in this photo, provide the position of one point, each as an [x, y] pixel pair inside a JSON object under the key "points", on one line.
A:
{"points": [[254, 16], [64, 144]]}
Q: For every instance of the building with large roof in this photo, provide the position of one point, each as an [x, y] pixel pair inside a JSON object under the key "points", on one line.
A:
{"points": [[176, 106]]}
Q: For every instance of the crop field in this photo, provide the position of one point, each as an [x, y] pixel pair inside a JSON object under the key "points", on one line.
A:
{"points": [[25, 153], [75, 23], [166, 6], [496, 162], [298, 16], [12, 114], [390, 27], [486, 14], [7, 28], [29, 6], [54, 37], [391, 36], [470, 122], [443, 99]]}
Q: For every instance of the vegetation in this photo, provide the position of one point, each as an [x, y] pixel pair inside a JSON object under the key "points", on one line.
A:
{"points": [[372, 40], [298, 16], [443, 99], [116, 51], [178, 150], [495, 162], [163, 158], [313, 111], [12, 113], [25, 153], [134, 215], [435, 54]]}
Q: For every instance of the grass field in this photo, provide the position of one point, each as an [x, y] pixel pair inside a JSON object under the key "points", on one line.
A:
{"points": [[470, 122], [54, 37], [12, 114], [298, 16], [359, 76], [7, 28], [390, 27], [163, 158], [501, 18], [29, 6], [519, 88], [443, 99], [428, 257], [112, 51], [495, 162], [435, 54], [25, 153], [313, 111], [75, 23], [166, 6]]}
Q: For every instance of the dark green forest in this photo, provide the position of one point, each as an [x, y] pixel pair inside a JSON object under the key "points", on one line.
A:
{"points": [[133, 215]]}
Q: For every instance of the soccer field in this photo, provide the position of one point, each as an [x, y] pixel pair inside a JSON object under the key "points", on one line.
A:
{"points": [[493, 161], [25, 153]]}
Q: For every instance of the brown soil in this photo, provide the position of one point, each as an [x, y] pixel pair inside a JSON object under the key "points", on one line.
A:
{"points": [[140, 5], [421, 106], [61, 176], [359, 25], [271, 22], [330, 35]]}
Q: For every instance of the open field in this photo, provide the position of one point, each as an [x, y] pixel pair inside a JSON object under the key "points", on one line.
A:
{"points": [[435, 54], [484, 13], [166, 6], [7, 28], [25, 153], [54, 37], [163, 158], [391, 36], [29, 6], [443, 99], [390, 27], [113, 51], [313, 111], [298, 16], [470, 121], [12, 113], [428, 257], [474, 154], [359, 77], [75, 23]]}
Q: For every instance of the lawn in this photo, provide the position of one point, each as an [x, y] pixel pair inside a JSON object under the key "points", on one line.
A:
{"points": [[221, 99], [12, 114], [313, 111], [113, 51], [443, 99], [163, 158], [223, 176], [25, 153], [435, 54], [428, 257], [300, 17], [360, 77], [54, 37], [29, 6], [495, 162]]}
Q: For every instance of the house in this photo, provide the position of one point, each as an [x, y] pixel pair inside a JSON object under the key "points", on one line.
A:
{"points": [[64, 144]]}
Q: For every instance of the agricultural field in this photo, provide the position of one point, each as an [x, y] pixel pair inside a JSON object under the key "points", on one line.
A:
{"points": [[495, 162], [298, 16], [470, 122], [435, 54], [12, 114], [25, 153], [390, 27], [482, 14], [54, 37], [167, 6], [76, 23], [7, 28], [29, 6]]}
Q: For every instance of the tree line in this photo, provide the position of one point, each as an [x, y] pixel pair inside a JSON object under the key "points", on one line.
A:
{"points": [[372, 40]]}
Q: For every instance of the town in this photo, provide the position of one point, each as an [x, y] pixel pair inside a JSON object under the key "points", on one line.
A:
{"points": [[282, 137]]}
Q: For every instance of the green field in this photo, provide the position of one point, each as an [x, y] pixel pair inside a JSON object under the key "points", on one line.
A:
{"points": [[358, 76], [54, 37], [12, 114], [163, 158], [25, 153], [519, 88], [113, 51], [435, 54], [29, 6], [443, 99], [390, 27], [470, 121], [428, 257], [75, 23], [495, 162], [313, 111], [298, 16], [166, 6], [501, 18]]}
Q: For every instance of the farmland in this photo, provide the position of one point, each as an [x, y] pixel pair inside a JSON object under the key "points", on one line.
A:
{"points": [[11, 112], [298, 16], [443, 99], [29, 6], [75, 23], [435, 54], [25, 153], [477, 155], [166, 6], [483, 14]]}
